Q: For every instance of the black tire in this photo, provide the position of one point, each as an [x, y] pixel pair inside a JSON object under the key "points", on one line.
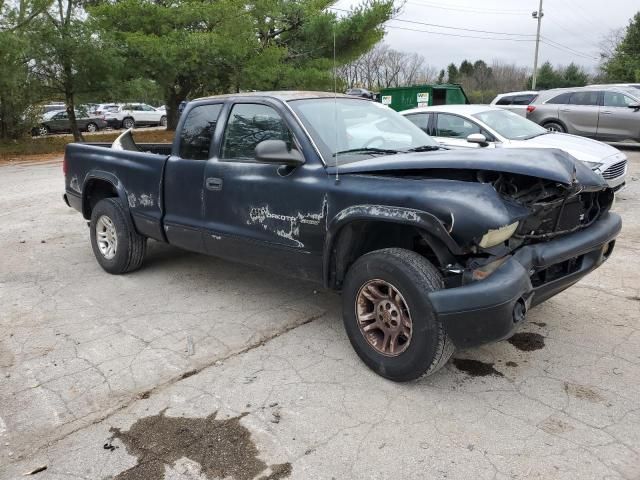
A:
{"points": [[131, 246], [163, 121], [413, 276], [92, 127], [128, 123], [555, 127]]}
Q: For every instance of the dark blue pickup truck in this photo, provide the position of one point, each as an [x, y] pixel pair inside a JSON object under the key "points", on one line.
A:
{"points": [[432, 249]]}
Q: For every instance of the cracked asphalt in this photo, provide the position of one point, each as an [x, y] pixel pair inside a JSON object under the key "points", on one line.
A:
{"points": [[209, 369]]}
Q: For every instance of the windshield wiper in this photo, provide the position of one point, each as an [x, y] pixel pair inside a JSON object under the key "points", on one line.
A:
{"points": [[367, 150], [425, 148]]}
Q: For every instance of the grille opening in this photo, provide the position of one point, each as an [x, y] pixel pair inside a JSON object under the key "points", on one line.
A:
{"points": [[616, 170], [556, 271]]}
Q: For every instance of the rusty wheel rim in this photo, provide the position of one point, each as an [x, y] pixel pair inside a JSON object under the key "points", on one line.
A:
{"points": [[383, 317]]}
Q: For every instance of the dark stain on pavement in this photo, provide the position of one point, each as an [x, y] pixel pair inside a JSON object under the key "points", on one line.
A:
{"points": [[223, 448], [527, 341], [476, 368]]}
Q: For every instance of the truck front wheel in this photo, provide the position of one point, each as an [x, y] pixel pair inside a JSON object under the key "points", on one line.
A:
{"points": [[116, 244], [388, 317]]}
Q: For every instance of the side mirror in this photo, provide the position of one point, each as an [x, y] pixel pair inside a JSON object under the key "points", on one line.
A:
{"points": [[635, 106], [276, 152], [478, 138]]}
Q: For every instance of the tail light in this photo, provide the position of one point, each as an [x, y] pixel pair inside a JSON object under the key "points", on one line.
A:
{"points": [[530, 108]]}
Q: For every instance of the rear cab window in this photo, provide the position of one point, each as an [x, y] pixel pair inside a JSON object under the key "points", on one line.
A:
{"points": [[197, 131]]}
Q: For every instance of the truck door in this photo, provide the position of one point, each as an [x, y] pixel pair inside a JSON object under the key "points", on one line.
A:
{"points": [[184, 178], [265, 214]]}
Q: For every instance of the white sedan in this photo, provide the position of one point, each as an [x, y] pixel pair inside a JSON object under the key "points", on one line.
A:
{"points": [[478, 126]]}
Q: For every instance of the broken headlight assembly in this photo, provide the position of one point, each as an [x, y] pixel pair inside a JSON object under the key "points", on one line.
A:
{"points": [[498, 236]]}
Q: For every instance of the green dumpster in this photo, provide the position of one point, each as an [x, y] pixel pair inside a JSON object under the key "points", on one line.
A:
{"points": [[404, 98]]}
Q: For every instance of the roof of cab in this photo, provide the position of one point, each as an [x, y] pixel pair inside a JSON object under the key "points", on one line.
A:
{"points": [[284, 95]]}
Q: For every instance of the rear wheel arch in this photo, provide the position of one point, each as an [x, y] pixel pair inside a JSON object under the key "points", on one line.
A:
{"points": [[96, 189], [548, 121]]}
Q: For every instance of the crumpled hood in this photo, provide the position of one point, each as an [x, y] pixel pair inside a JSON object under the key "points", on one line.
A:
{"points": [[548, 164], [579, 147]]}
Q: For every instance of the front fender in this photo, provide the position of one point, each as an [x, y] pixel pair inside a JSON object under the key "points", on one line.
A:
{"points": [[424, 221]]}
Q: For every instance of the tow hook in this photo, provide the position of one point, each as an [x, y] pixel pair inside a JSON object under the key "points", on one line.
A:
{"points": [[519, 311]]}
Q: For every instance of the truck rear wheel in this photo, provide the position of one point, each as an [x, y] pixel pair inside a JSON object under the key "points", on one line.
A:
{"points": [[116, 244], [388, 317]]}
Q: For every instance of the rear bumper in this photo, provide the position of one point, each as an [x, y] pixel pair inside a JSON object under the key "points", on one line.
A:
{"points": [[73, 200], [490, 310]]}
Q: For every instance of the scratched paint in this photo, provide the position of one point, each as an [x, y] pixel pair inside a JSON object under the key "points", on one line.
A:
{"points": [[74, 184], [381, 211], [286, 226], [143, 200]]}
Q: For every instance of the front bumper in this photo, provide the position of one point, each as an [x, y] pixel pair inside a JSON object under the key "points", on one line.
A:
{"points": [[491, 309]]}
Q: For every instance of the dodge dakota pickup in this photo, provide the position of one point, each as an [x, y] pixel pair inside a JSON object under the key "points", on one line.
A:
{"points": [[431, 249]]}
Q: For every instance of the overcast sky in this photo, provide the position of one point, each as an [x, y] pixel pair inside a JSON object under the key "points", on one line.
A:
{"points": [[571, 29]]}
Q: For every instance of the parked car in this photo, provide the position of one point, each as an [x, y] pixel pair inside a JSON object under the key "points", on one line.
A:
{"points": [[361, 92], [469, 126], [605, 113], [103, 108], [130, 115], [57, 121], [432, 249], [515, 101]]}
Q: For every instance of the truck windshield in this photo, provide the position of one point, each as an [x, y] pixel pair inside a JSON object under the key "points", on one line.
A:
{"points": [[353, 128]]}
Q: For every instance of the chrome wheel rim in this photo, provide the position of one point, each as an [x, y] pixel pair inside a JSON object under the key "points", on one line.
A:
{"points": [[553, 129], [107, 237], [42, 131], [128, 124], [383, 317], [91, 127]]}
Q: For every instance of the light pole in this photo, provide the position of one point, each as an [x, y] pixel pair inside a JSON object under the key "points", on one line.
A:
{"points": [[537, 15]]}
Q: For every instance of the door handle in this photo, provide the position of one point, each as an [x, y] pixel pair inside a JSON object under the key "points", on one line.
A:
{"points": [[606, 113], [565, 110], [213, 184]]}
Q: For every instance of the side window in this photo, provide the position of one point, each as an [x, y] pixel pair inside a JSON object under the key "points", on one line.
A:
{"points": [[148, 108], [455, 126], [584, 98], [421, 120], [61, 116], [615, 99], [523, 99], [248, 125], [561, 99], [504, 101], [197, 131]]}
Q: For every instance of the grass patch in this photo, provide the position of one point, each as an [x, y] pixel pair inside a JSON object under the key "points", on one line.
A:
{"points": [[54, 145]]}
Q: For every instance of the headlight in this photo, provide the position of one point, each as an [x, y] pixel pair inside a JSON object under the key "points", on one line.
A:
{"points": [[497, 236], [592, 165]]}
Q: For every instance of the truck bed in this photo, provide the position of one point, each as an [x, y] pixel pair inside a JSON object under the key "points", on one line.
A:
{"points": [[136, 176]]}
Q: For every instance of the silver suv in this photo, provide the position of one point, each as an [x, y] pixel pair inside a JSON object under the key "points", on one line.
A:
{"points": [[605, 113]]}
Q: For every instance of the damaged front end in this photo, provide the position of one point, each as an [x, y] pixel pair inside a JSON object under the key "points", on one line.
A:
{"points": [[543, 210], [566, 232]]}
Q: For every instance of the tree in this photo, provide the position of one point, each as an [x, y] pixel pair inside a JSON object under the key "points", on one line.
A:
{"points": [[19, 90], [623, 65], [574, 76], [547, 77], [466, 68], [440, 80], [452, 73], [67, 55], [195, 47]]}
